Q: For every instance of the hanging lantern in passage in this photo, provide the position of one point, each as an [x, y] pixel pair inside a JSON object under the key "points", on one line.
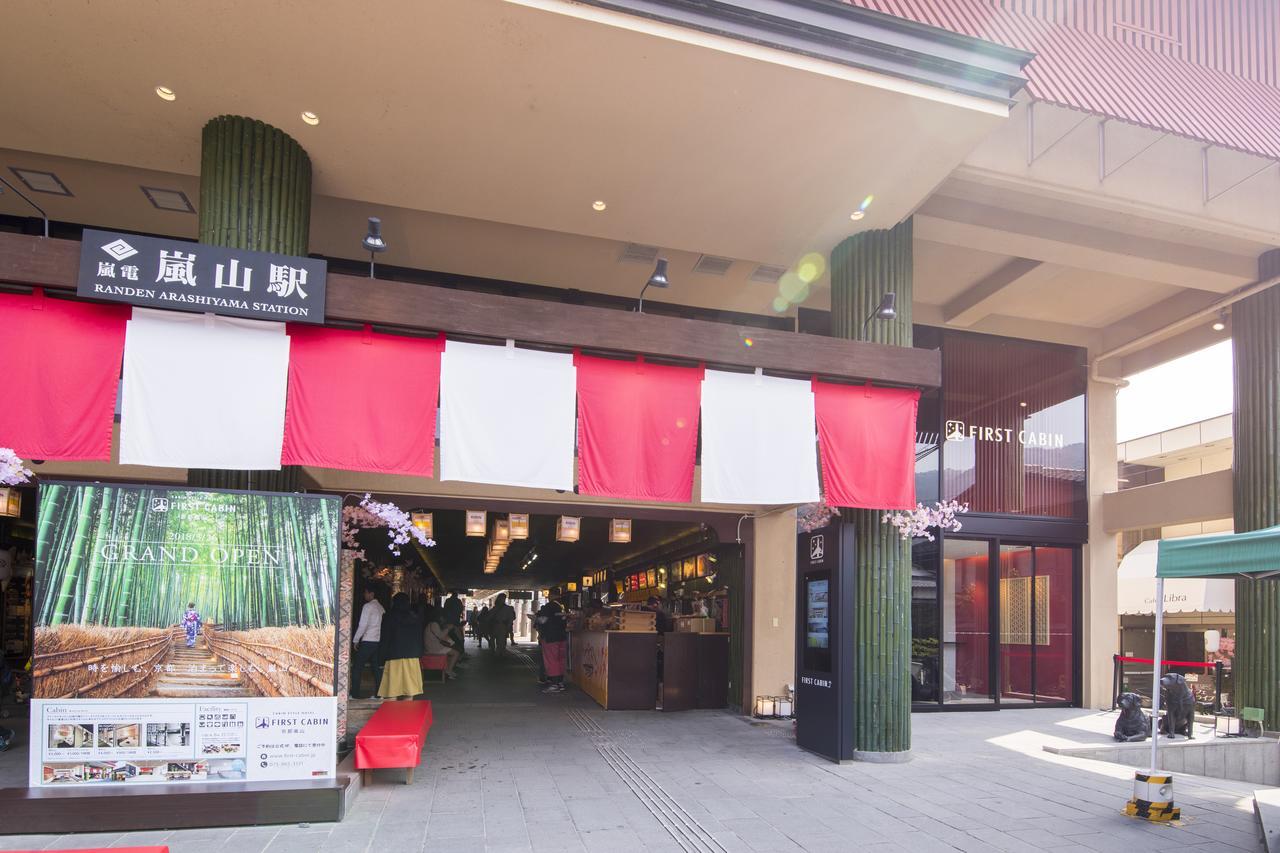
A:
{"points": [[620, 530], [568, 528], [476, 522], [518, 525], [502, 530], [424, 522]]}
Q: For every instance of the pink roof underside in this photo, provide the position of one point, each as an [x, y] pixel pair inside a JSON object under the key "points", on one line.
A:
{"points": [[1085, 69]]}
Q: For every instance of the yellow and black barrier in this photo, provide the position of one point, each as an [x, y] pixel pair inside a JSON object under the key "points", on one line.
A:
{"points": [[1153, 798]]}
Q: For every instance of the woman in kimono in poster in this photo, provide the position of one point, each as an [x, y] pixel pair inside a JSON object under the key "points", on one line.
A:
{"points": [[191, 622]]}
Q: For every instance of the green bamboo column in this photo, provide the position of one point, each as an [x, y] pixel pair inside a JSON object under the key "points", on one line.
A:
{"points": [[863, 268], [255, 193], [1255, 335]]}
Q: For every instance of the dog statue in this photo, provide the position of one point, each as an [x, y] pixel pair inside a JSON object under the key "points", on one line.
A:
{"points": [[1134, 723], [1179, 704]]}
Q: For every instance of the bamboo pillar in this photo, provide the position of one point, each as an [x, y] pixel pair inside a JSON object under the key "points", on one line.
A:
{"points": [[1255, 334], [863, 268], [255, 193]]}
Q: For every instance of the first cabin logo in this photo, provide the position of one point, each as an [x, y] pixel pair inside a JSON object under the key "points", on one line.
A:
{"points": [[159, 504], [817, 547]]}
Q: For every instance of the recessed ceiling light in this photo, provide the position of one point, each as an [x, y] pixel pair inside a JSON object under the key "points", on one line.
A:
{"points": [[41, 182], [166, 93], [1023, 405], [857, 214], [162, 199], [310, 117], [598, 205]]}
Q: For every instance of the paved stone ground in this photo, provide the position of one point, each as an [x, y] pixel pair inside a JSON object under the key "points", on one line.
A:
{"points": [[507, 769]]}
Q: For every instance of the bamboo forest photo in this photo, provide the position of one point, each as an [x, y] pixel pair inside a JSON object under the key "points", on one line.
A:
{"points": [[156, 592]]}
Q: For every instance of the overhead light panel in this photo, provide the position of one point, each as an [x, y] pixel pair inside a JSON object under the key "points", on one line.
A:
{"points": [[41, 182], [166, 94], [162, 199], [310, 118]]}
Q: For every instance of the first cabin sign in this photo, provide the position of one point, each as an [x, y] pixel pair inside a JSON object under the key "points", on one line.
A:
{"points": [[174, 274]]}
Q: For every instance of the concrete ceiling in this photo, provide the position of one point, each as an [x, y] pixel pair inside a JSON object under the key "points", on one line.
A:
{"points": [[481, 132], [495, 111]]}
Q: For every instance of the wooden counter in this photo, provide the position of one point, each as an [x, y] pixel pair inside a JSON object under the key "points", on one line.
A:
{"points": [[618, 669]]}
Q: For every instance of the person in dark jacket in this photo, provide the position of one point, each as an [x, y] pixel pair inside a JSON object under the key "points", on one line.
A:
{"points": [[401, 648], [553, 638]]}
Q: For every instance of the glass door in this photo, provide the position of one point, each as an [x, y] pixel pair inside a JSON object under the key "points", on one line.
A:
{"points": [[966, 622], [1037, 619]]}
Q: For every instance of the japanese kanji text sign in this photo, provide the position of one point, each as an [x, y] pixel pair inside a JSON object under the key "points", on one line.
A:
{"points": [[174, 274]]}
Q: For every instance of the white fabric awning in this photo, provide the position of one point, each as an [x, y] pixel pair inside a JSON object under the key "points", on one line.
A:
{"points": [[1136, 588]]}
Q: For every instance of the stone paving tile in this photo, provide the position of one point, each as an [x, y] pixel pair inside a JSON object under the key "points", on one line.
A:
{"points": [[508, 770]]}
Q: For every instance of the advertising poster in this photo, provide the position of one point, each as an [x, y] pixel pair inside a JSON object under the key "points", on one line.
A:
{"points": [[183, 635]]}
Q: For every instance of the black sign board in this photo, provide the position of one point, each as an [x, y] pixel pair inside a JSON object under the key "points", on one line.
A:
{"points": [[165, 273], [824, 640]]}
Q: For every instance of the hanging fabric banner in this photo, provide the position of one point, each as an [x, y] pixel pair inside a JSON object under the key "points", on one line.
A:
{"points": [[203, 392], [362, 401], [868, 441], [61, 373], [637, 429], [758, 440], [506, 416]]}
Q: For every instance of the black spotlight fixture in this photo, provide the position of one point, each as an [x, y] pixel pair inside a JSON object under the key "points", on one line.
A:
{"points": [[373, 242], [886, 310], [658, 278]]}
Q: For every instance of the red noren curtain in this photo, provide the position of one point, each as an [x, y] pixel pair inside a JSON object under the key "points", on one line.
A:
{"points": [[866, 438]]}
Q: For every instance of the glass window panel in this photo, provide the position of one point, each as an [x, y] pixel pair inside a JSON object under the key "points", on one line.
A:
{"points": [[925, 676], [1055, 621], [1013, 426], [966, 624]]}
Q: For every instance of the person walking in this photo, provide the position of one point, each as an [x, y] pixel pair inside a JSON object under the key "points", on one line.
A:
{"points": [[401, 648], [553, 637], [191, 623], [367, 641], [438, 639], [501, 621], [484, 621]]}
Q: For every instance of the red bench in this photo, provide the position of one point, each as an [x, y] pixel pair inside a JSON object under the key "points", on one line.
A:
{"points": [[393, 738], [435, 662]]}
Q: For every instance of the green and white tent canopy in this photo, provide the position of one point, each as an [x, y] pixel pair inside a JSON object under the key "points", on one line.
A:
{"points": [[1255, 554]]}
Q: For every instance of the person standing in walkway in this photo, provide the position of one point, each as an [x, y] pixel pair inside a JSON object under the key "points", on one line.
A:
{"points": [[367, 641], [501, 621], [453, 611], [191, 623], [553, 637], [401, 648]]}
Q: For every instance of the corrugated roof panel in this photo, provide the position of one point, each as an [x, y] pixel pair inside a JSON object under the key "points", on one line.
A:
{"points": [[1142, 76]]}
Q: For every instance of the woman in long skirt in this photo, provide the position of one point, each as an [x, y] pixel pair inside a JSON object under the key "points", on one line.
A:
{"points": [[402, 648]]}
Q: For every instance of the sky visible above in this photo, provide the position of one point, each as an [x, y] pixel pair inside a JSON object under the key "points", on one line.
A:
{"points": [[1188, 389]]}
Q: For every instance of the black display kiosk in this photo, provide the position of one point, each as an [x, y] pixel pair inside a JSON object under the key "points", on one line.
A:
{"points": [[825, 589]]}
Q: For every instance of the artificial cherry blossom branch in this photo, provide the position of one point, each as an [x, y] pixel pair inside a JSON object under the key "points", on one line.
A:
{"points": [[917, 522]]}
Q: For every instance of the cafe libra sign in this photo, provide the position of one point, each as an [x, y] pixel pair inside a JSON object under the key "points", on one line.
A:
{"points": [[960, 431], [174, 274]]}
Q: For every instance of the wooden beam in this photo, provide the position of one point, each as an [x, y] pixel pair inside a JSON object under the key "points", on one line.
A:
{"points": [[55, 264]]}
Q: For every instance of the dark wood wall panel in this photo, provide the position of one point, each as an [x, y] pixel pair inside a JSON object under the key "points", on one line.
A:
{"points": [[55, 263]]}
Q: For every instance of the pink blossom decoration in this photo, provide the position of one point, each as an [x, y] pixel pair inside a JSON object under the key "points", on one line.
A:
{"points": [[371, 513], [12, 472], [916, 523]]}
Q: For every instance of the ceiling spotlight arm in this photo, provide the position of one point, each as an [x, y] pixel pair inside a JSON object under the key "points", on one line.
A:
{"points": [[640, 306], [44, 216]]}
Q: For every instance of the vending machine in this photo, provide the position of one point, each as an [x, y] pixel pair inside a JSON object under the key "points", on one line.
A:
{"points": [[825, 591]]}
